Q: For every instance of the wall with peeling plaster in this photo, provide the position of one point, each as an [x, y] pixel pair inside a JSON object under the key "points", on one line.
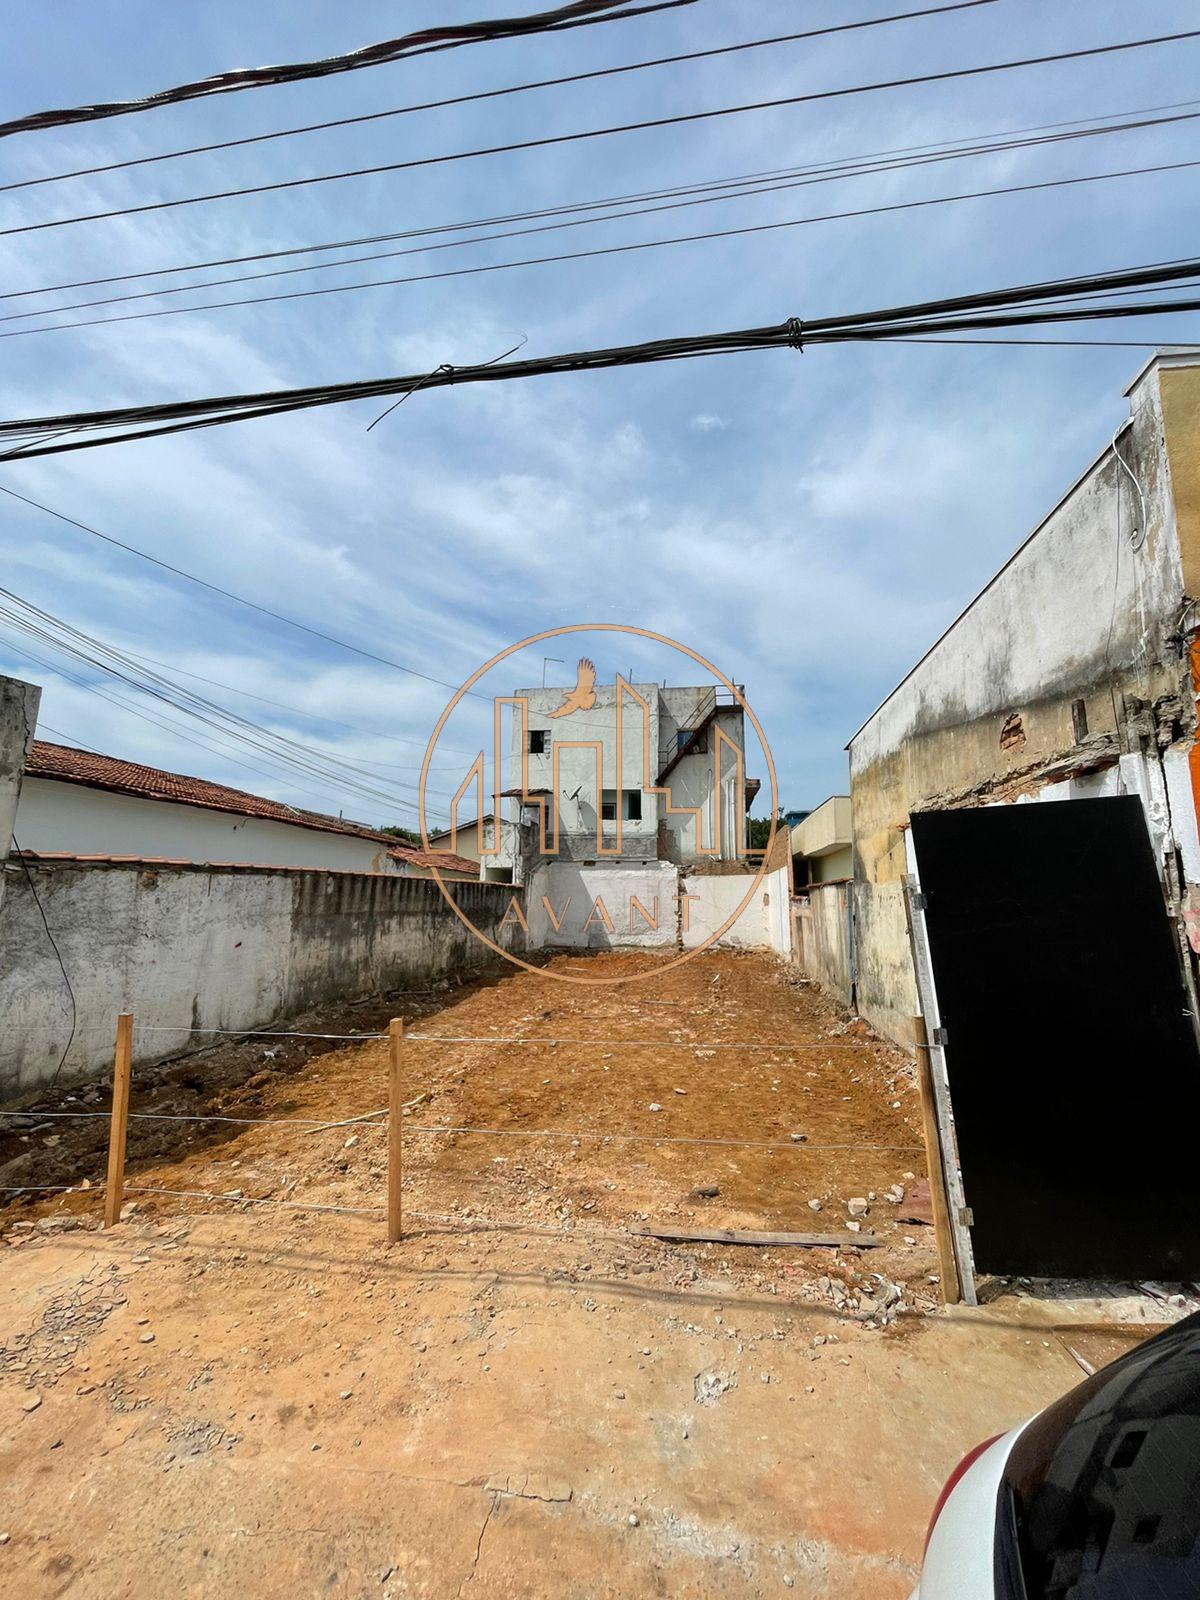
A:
{"points": [[186, 947], [1092, 608]]}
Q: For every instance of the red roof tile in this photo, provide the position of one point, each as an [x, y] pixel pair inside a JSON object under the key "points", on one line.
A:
{"points": [[66, 765], [94, 771]]}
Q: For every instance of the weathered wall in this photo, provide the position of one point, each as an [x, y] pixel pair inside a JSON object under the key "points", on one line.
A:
{"points": [[1082, 617], [18, 719], [714, 897], [823, 950], [186, 947], [74, 817], [576, 893]]}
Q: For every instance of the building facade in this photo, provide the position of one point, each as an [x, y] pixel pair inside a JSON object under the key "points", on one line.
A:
{"points": [[645, 773], [1073, 674]]}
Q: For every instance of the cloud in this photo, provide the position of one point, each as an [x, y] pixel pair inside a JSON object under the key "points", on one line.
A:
{"points": [[705, 422]]}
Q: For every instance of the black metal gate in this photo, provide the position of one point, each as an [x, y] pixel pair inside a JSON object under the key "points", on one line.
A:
{"points": [[1072, 1063]]}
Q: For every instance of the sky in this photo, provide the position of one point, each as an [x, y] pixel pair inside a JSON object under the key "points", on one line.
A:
{"points": [[809, 522]]}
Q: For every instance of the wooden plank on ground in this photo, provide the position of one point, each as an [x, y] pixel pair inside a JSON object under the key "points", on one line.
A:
{"points": [[804, 1241]]}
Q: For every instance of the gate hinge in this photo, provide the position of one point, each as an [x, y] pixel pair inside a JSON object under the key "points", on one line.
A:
{"points": [[938, 1036], [966, 1216], [918, 900]]}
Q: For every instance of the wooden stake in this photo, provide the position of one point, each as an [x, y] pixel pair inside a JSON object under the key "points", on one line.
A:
{"points": [[395, 1126], [119, 1121], [942, 1231]]}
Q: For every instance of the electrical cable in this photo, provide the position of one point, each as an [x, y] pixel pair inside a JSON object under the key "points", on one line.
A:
{"points": [[175, 730], [802, 178], [228, 594], [596, 253], [598, 133], [37, 900], [969, 313], [578, 14], [338, 779], [495, 94], [993, 140]]}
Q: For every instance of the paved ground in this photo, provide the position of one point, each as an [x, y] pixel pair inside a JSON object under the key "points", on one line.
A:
{"points": [[220, 1399]]}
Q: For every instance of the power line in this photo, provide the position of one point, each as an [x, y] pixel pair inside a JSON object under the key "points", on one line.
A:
{"points": [[168, 726], [291, 758], [1150, 113], [578, 14], [495, 94], [599, 133], [797, 178], [228, 594], [599, 252], [1008, 307]]}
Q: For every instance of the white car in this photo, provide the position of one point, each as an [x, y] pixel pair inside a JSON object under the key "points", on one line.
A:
{"points": [[1096, 1498]]}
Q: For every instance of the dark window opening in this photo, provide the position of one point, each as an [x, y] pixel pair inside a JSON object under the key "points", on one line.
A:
{"points": [[631, 805], [537, 741], [1079, 720]]}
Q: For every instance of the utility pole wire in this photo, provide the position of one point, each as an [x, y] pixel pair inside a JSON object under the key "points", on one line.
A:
{"points": [[496, 94], [578, 14], [569, 255], [599, 133], [895, 159], [990, 309], [228, 594]]}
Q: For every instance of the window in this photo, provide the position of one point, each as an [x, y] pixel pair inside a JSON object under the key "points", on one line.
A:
{"points": [[537, 741], [631, 805]]}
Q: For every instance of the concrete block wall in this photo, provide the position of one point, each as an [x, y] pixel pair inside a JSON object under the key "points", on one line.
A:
{"points": [[187, 947]]}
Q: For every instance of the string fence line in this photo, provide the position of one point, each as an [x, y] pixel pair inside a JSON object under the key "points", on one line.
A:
{"points": [[258, 1200], [794, 1146], [173, 1116]]}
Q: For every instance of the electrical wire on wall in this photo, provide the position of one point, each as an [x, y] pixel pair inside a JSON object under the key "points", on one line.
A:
{"points": [[37, 900]]}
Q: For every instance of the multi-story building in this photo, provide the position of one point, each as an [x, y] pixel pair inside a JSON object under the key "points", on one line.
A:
{"points": [[629, 772]]}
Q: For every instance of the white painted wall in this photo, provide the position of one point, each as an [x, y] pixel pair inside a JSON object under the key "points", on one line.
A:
{"points": [[766, 921], [71, 817], [655, 884]]}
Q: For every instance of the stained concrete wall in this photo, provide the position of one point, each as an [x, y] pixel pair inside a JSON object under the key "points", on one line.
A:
{"points": [[77, 818], [765, 923], [1082, 618], [573, 892], [18, 720], [187, 948], [823, 949]]}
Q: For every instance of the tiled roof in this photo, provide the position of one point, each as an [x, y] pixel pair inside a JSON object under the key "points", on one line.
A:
{"points": [[151, 783], [66, 765]]}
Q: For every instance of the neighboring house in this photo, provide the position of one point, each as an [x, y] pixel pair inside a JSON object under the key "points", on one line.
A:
{"points": [[823, 843], [81, 804], [468, 839], [673, 788], [1073, 674]]}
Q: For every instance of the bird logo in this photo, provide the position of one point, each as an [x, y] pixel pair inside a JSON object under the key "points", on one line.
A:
{"points": [[583, 696]]}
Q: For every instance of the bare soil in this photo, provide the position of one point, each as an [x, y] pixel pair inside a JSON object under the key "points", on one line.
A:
{"points": [[522, 1398]]}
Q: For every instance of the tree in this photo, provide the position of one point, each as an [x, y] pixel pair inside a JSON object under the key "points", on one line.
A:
{"points": [[406, 834]]}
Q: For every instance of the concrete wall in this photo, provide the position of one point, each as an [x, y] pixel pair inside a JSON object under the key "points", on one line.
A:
{"points": [[573, 892], [823, 948], [76, 819], [711, 898], [18, 720], [1086, 622], [186, 947], [765, 923]]}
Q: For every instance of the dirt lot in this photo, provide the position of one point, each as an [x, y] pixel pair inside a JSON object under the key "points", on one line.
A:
{"points": [[523, 1398]]}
